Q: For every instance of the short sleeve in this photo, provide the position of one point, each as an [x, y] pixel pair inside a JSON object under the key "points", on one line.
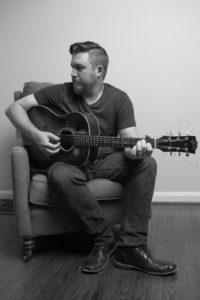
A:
{"points": [[125, 113], [48, 96]]}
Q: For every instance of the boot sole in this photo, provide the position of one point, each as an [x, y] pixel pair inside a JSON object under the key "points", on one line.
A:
{"points": [[131, 267]]}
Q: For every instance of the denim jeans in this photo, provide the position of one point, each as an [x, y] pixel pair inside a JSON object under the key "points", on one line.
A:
{"points": [[138, 176]]}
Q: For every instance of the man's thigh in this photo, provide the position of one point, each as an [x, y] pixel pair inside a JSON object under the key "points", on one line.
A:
{"points": [[114, 166]]}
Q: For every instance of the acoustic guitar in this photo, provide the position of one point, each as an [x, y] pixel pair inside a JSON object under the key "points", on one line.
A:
{"points": [[80, 138]]}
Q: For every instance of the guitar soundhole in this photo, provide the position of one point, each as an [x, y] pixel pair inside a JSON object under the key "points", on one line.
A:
{"points": [[66, 140]]}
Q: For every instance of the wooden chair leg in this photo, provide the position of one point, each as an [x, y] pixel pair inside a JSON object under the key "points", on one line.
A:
{"points": [[28, 244]]}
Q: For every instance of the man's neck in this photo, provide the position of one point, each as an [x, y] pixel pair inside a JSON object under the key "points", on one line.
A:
{"points": [[94, 97]]}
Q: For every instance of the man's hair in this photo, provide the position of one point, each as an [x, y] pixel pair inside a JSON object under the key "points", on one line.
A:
{"points": [[98, 54]]}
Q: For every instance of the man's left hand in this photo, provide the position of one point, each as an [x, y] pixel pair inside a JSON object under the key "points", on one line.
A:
{"points": [[141, 150]]}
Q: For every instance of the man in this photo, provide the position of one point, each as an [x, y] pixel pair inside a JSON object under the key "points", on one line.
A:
{"points": [[134, 166]]}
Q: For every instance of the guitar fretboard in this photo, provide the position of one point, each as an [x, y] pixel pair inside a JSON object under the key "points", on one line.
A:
{"points": [[104, 141]]}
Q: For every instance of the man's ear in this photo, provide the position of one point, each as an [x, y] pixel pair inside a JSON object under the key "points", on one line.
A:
{"points": [[100, 70]]}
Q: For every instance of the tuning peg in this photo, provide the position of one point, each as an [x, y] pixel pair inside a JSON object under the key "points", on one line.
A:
{"points": [[179, 133], [179, 126]]}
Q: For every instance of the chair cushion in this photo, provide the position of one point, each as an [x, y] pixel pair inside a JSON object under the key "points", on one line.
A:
{"points": [[102, 189], [34, 86]]}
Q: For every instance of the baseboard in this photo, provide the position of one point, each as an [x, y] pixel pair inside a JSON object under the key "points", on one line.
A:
{"points": [[176, 197]]}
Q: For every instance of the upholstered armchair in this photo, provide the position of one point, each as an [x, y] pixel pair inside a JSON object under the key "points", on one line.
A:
{"points": [[36, 209]]}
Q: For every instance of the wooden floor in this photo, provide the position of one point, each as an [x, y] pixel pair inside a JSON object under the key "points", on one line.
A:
{"points": [[53, 273]]}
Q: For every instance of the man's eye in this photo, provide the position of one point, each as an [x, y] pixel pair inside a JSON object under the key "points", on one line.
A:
{"points": [[79, 69]]}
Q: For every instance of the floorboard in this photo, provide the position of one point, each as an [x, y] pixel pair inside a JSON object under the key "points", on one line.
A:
{"points": [[53, 273]]}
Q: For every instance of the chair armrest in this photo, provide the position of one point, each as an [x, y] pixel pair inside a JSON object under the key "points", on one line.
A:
{"points": [[20, 169], [21, 182]]}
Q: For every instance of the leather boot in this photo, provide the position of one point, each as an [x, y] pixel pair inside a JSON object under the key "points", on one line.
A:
{"points": [[140, 258], [98, 259]]}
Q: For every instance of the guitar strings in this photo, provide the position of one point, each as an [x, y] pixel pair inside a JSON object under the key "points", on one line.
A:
{"points": [[89, 140], [82, 137]]}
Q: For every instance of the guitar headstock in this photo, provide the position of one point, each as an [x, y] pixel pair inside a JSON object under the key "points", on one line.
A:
{"points": [[187, 144]]}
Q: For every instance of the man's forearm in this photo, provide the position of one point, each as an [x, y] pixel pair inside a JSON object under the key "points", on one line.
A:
{"points": [[19, 118]]}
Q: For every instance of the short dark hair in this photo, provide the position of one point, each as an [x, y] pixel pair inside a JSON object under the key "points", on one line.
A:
{"points": [[97, 53]]}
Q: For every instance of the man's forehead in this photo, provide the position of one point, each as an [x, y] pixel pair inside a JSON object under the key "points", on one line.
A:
{"points": [[82, 57]]}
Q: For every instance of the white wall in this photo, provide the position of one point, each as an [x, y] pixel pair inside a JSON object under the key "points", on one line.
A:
{"points": [[154, 51]]}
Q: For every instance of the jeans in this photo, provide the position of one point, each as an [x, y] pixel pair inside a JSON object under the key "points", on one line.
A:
{"points": [[138, 176]]}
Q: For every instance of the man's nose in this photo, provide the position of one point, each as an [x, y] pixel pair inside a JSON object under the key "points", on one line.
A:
{"points": [[73, 73]]}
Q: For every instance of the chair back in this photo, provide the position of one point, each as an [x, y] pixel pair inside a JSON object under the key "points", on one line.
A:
{"points": [[28, 88]]}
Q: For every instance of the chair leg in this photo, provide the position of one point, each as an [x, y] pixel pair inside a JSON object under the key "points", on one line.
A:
{"points": [[29, 244]]}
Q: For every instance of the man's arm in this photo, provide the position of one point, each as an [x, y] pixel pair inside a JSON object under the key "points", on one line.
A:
{"points": [[141, 149], [17, 114]]}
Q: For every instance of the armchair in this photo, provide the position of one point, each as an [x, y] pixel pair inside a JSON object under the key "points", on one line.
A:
{"points": [[37, 213]]}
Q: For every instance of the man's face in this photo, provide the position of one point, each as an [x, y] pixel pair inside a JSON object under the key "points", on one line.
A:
{"points": [[84, 75]]}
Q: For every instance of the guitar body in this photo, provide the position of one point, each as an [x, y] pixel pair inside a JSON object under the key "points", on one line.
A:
{"points": [[71, 124]]}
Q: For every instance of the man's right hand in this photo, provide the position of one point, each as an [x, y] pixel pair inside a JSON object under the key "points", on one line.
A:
{"points": [[48, 142]]}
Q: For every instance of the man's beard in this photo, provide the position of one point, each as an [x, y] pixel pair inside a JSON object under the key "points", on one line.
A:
{"points": [[78, 88], [81, 89]]}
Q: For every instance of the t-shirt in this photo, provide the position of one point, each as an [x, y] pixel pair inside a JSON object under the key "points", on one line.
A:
{"points": [[114, 110]]}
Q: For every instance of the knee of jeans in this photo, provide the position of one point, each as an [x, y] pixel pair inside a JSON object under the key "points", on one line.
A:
{"points": [[62, 173]]}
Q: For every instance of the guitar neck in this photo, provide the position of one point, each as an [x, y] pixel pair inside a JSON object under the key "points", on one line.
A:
{"points": [[108, 141]]}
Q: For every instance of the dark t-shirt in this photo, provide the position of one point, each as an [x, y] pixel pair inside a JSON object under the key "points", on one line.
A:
{"points": [[114, 110]]}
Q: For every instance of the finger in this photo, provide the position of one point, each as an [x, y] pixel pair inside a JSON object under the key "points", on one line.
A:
{"points": [[52, 146], [144, 145], [133, 151], [53, 137], [139, 152], [149, 149], [139, 146]]}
